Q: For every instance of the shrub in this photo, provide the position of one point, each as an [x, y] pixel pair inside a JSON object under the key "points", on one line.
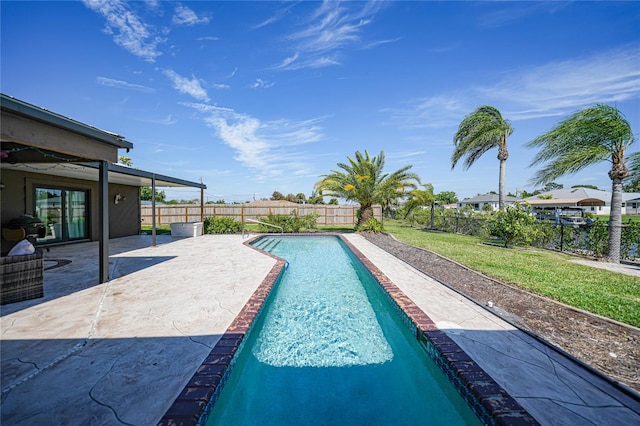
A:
{"points": [[513, 225], [630, 239], [291, 222], [372, 225], [221, 225]]}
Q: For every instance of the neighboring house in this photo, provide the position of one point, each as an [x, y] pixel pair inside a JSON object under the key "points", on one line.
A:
{"points": [[479, 202], [450, 206], [63, 172], [633, 204], [586, 200]]}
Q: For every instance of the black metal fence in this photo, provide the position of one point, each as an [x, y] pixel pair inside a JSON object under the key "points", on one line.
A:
{"points": [[587, 240]]}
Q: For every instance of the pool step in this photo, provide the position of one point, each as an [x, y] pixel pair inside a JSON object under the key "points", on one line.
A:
{"points": [[267, 244]]}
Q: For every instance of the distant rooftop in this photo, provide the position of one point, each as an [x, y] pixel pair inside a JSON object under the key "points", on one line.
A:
{"points": [[488, 198]]}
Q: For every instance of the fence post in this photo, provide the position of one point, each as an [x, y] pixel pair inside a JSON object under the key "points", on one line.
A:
{"points": [[561, 237], [201, 203]]}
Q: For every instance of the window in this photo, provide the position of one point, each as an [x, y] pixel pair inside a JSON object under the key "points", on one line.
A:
{"points": [[64, 213]]}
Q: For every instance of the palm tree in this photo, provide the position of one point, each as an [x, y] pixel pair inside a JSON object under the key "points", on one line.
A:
{"points": [[633, 184], [480, 131], [363, 180], [590, 136], [420, 198]]}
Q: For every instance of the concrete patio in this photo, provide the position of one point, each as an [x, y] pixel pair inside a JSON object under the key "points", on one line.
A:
{"points": [[120, 352]]}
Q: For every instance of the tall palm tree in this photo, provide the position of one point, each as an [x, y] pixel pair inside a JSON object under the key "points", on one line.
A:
{"points": [[479, 132], [362, 180], [595, 134], [420, 198]]}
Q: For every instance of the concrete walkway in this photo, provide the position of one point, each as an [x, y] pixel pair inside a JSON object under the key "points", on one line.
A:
{"points": [[621, 268], [120, 352]]}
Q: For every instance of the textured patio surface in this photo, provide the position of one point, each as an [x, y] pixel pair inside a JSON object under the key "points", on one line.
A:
{"points": [[120, 352]]}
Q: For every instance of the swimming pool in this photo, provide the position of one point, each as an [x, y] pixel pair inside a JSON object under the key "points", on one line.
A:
{"points": [[329, 349], [204, 391]]}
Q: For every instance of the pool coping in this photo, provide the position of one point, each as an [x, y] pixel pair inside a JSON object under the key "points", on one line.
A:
{"points": [[487, 399]]}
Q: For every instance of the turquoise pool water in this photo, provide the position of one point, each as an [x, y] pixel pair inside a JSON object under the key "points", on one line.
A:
{"points": [[328, 348]]}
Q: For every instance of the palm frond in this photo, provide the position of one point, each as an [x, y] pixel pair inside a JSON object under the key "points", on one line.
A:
{"points": [[479, 132], [595, 134]]}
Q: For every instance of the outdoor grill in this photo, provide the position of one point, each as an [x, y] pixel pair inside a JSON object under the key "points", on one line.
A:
{"points": [[33, 227]]}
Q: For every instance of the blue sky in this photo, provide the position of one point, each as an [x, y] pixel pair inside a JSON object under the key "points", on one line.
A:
{"points": [[256, 97]]}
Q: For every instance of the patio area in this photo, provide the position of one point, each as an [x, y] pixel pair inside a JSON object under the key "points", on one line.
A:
{"points": [[120, 352]]}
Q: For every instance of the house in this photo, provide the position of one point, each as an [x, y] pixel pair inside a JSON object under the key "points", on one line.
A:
{"points": [[586, 200], [486, 201], [64, 173], [633, 204]]}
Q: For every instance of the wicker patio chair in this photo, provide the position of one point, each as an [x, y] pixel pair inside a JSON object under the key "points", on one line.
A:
{"points": [[21, 277]]}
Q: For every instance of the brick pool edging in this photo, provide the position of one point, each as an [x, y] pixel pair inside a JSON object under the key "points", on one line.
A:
{"points": [[489, 401]]}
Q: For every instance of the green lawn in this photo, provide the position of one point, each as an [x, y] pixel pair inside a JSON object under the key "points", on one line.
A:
{"points": [[160, 229], [547, 273], [625, 219]]}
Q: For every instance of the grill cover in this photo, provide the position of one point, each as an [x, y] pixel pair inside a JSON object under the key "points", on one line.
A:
{"points": [[33, 226]]}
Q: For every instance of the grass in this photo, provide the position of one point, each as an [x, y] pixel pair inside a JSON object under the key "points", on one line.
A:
{"points": [[550, 274], [160, 229], [626, 219]]}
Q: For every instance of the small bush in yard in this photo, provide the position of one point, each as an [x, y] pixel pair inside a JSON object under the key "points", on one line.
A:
{"points": [[513, 225], [372, 225], [221, 225], [290, 223]]}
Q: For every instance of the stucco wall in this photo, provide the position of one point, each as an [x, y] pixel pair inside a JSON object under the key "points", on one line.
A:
{"points": [[17, 199], [124, 217]]}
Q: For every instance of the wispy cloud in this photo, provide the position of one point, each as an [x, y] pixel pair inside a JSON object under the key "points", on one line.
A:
{"points": [[187, 86], [511, 12], [220, 86], [377, 43], [561, 87], [261, 84], [404, 155], [185, 16], [332, 28], [265, 147], [110, 82], [129, 31], [429, 112], [281, 13], [168, 120], [554, 89], [208, 38]]}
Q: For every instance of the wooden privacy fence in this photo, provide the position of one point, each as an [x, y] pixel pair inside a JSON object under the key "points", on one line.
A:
{"points": [[328, 214]]}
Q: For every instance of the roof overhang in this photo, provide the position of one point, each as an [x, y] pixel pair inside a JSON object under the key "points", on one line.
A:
{"points": [[23, 109], [117, 174], [566, 202]]}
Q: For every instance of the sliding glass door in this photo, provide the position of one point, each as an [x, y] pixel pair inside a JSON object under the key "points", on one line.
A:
{"points": [[64, 212]]}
